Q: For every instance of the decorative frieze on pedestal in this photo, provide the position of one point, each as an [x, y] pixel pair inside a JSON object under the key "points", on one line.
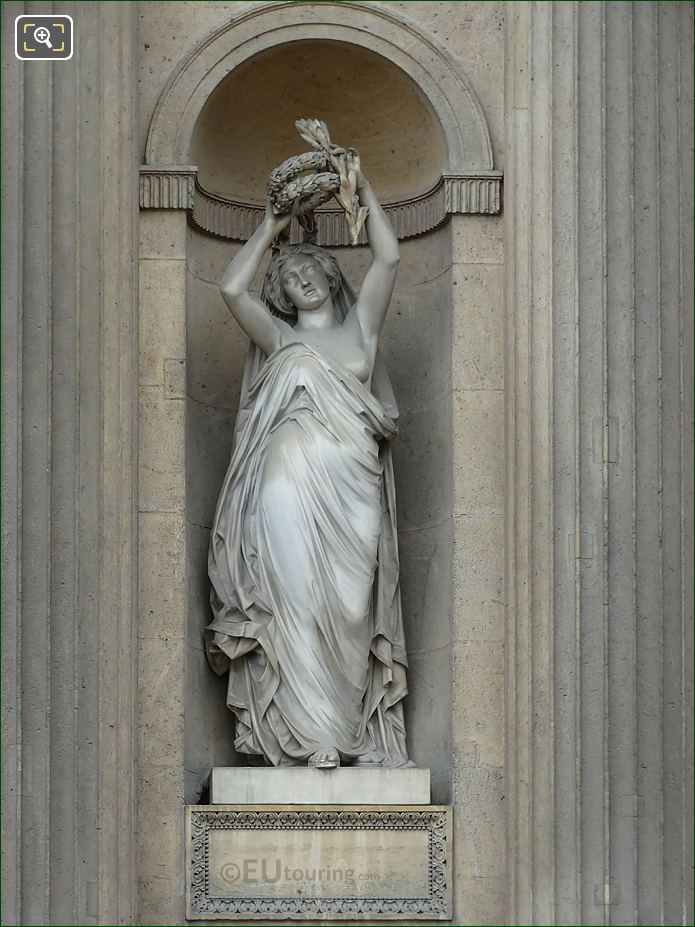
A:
{"points": [[248, 862]]}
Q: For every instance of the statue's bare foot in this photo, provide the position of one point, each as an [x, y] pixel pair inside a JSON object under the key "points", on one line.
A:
{"points": [[373, 758], [325, 758]]}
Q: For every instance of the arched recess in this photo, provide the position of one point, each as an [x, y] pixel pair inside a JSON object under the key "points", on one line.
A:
{"points": [[379, 30], [469, 183]]}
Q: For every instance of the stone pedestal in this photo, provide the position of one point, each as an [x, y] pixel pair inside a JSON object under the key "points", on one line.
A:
{"points": [[318, 862], [300, 785], [315, 844]]}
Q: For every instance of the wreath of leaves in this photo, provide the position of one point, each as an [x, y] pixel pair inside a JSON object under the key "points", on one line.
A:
{"points": [[306, 181]]}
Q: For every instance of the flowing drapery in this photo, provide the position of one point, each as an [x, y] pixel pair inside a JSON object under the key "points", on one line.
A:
{"points": [[304, 567]]}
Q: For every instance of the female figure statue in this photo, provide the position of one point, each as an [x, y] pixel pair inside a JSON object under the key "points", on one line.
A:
{"points": [[303, 553]]}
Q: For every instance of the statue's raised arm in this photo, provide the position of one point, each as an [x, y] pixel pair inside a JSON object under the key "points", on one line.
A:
{"points": [[377, 286], [251, 314]]}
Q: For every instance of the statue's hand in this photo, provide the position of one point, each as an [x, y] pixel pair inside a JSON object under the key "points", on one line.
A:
{"points": [[354, 167], [276, 223]]}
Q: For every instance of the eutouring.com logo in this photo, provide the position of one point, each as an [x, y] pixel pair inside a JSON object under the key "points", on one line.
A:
{"points": [[43, 38], [272, 871]]}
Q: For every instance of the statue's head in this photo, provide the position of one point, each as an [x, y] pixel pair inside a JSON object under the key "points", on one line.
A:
{"points": [[300, 277]]}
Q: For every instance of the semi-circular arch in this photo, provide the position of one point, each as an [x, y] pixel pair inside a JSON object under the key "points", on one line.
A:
{"points": [[439, 76]]}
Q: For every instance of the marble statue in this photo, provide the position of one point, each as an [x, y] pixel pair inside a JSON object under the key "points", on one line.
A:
{"points": [[303, 552]]}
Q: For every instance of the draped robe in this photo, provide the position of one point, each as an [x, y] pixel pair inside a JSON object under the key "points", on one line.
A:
{"points": [[304, 567]]}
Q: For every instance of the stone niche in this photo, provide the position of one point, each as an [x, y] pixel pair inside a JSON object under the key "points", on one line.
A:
{"points": [[244, 130], [218, 112]]}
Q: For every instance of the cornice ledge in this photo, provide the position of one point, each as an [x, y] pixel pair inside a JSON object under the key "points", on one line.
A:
{"points": [[167, 186], [172, 187], [474, 194]]}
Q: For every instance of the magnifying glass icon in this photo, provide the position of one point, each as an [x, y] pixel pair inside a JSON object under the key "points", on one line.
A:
{"points": [[42, 34]]}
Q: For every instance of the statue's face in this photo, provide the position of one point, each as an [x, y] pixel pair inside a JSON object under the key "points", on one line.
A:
{"points": [[304, 283]]}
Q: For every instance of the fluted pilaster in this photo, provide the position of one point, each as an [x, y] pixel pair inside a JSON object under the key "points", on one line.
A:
{"points": [[69, 364], [599, 374]]}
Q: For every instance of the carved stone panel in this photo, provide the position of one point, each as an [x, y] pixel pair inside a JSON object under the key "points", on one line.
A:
{"points": [[322, 862]]}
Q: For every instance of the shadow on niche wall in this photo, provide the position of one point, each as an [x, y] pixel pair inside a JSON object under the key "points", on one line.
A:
{"points": [[417, 347], [244, 130]]}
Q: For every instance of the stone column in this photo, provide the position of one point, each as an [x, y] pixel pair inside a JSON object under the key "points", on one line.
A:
{"points": [[598, 202], [69, 433]]}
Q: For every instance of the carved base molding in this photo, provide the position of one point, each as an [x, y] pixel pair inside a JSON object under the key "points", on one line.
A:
{"points": [[177, 188], [247, 862]]}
